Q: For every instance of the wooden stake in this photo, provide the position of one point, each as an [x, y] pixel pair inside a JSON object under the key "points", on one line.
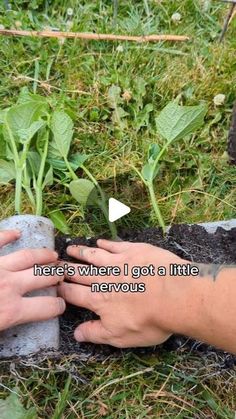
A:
{"points": [[93, 36]]}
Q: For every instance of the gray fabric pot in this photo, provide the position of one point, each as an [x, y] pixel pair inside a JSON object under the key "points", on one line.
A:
{"points": [[36, 232]]}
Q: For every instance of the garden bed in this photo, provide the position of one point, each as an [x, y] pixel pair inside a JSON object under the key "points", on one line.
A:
{"points": [[213, 243]]}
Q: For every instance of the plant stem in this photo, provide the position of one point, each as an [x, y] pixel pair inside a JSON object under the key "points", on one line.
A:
{"points": [[18, 190], [161, 154], [72, 173], [39, 183], [39, 201], [155, 206], [112, 226], [27, 188], [103, 204], [151, 188]]}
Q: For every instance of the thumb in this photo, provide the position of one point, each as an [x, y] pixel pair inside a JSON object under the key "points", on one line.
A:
{"points": [[91, 331]]}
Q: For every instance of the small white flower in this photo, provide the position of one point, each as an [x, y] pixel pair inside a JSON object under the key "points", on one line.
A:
{"points": [[70, 11], [176, 17], [120, 48], [2, 27], [61, 41], [18, 24], [219, 99]]}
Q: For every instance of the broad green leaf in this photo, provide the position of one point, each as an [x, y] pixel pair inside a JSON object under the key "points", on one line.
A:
{"points": [[7, 171], [59, 221], [84, 191], [3, 145], [78, 159], [48, 178], [21, 117], [176, 121], [8, 152], [62, 128], [26, 134], [57, 164], [25, 96], [42, 140], [11, 407], [34, 160], [153, 152], [148, 172], [113, 96]]}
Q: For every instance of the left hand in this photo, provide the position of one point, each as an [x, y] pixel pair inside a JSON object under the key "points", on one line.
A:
{"points": [[126, 319]]}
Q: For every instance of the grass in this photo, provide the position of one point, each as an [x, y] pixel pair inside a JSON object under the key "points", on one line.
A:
{"points": [[196, 183]]}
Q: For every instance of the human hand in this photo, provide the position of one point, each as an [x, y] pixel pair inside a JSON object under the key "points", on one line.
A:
{"points": [[126, 319], [17, 279]]}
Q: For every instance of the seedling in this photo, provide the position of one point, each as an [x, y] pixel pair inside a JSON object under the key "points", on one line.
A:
{"points": [[173, 123], [24, 141], [24, 148], [87, 192]]}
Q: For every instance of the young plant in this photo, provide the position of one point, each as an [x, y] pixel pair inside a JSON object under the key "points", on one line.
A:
{"points": [[86, 192], [24, 147], [173, 123]]}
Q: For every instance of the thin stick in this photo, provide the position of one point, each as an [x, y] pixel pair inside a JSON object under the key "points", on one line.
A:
{"points": [[93, 36], [229, 1], [227, 21]]}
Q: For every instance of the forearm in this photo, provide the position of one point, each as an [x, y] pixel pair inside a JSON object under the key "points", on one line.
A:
{"points": [[204, 307]]}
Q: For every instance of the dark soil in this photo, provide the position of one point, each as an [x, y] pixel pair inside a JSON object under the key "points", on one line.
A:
{"points": [[189, 242]]}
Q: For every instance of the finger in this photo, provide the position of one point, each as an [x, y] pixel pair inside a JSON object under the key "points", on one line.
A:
{"points": [[78, 273], [114, 247], [78, 295], [26, 281], [9, 236], [97, 257], [40, 308], [26, 258], [91, 331]]}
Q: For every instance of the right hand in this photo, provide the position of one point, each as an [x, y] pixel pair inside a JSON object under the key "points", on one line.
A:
{"points": [[17, 279]]}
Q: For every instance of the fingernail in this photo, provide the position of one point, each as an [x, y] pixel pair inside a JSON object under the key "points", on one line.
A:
{"points": [[18, 233], [70, 247], [62, 305], [55, 254], [78, 335]]}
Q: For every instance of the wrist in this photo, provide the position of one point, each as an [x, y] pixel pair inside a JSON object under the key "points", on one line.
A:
{"points": [[185, 300]]}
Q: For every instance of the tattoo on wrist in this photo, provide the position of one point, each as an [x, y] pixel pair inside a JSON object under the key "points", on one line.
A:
{"points": [[211, 270]]}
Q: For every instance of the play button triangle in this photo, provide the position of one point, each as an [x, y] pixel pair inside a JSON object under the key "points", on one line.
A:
{"points": [[117, 210]]}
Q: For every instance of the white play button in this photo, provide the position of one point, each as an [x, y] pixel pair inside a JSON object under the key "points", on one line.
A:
{"points": [[117, 210]]}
